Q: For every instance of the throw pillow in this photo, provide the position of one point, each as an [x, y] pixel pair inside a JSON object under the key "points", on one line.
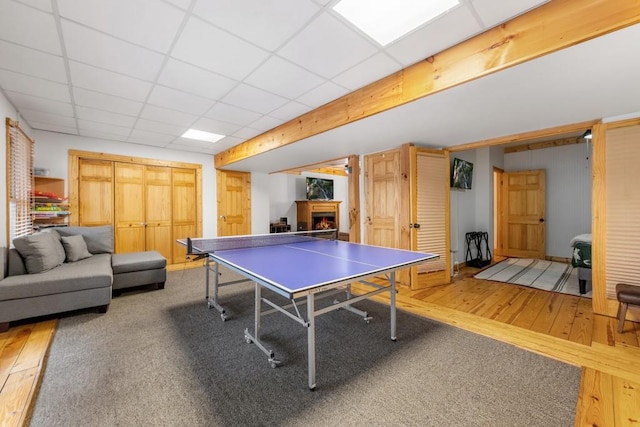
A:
{"points": [[99, 239], [41, 251], [75, 248]]}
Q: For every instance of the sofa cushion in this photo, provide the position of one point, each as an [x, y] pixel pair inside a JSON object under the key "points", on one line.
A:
{"points": [[16, 263], [99, 239], [90, 273], [137, 261], [75, 247], [40, 251]]}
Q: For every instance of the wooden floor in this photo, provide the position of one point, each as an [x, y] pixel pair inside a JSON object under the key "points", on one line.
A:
{"points": [[559, 326]]}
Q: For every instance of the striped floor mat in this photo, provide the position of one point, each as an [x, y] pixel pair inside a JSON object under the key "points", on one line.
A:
{"points": [[536, 273]]}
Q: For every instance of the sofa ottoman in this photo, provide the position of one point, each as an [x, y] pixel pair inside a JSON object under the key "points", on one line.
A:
{"points": [[137, 269]]}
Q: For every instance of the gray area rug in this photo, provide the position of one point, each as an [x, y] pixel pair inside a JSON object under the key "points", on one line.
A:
{"points": [[161, 358]]}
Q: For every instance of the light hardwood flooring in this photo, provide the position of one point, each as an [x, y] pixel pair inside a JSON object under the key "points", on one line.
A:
{"points": [[559, 326]]}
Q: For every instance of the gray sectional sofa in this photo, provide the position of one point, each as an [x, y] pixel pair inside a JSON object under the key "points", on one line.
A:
{"points": [[71, 268]]}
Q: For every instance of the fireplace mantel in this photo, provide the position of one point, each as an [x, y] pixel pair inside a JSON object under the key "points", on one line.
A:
{"points": [[319, 210]]}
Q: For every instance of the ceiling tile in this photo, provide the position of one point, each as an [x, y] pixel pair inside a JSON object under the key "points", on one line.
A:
{"points": [[254, 99], [289, 111], [492, 13], [247, 133], [28, 102], [189, 78], [54, 128], [104, 102], [322, 94], [94, 48], [181, 101], [108, 129], [149, 23], [213, 49], [182, 4], [265, 123], [108, 82], [44, 5], [229, 113], [267, 24], [11, 81], [159, 114], [157, 127], [54, 119], [283, 78], [42, 33], [101, 116], [328, 47], [215, 126], [371, 70], [91, 133], [32, 62], [193, 146], [442, 33], [150, 138]]}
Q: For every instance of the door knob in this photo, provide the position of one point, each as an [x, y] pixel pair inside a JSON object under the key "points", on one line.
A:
{"points": [[222, 217]]}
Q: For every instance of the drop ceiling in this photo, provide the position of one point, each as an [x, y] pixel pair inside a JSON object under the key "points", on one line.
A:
{"points": [[144, 71]]}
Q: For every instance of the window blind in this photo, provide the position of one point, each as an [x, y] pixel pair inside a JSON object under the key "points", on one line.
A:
{"points": [[622, 205], [19, 181]]}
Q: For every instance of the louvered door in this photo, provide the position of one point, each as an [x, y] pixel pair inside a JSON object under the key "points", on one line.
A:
{"points": [[430, 210]]}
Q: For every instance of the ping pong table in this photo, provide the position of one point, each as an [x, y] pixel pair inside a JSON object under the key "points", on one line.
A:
{"points": [[301, 267]]}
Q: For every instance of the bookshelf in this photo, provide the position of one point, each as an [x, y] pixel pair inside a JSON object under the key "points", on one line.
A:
{"points": [[50, 207]]}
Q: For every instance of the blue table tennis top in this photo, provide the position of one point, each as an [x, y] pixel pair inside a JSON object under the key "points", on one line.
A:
{"points": [[294, 268]]}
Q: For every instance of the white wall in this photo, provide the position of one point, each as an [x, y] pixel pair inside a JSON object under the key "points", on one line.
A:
{"points": [[568, 191], [285, 189], [463, 208], [52, 152], [260, 193]]}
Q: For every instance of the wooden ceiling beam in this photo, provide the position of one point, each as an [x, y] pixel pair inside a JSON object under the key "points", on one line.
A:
{"points": [[556, 25]]}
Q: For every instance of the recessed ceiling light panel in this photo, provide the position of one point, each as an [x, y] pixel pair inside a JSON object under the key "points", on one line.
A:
{"points": [[388, 20], [201, 135]]}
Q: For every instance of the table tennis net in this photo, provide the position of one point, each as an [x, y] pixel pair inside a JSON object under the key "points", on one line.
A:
{"points": [[195, 246]]}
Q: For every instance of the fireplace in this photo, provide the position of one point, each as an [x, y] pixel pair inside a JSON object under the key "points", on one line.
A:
{"points": [[323, 220], [318, 215]]}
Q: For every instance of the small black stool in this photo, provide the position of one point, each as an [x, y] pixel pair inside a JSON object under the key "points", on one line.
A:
{"points": [[626, 294]]}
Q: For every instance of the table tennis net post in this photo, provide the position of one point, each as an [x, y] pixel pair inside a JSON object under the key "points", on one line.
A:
{"points": [[204, 245]]}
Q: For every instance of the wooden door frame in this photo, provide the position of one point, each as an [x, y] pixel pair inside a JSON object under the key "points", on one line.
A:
{"points": [[497, 211], [74, 178]]}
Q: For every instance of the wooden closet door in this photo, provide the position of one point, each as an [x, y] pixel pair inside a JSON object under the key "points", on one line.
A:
{"points": [[130, 221], [158, 210], [95, 192], [185, 214]]}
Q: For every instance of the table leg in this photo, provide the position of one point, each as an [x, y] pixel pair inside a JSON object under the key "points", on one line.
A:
{"points": [[392, 304], [206, 279], [255, 338], [311, 341], [213, 302]]}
